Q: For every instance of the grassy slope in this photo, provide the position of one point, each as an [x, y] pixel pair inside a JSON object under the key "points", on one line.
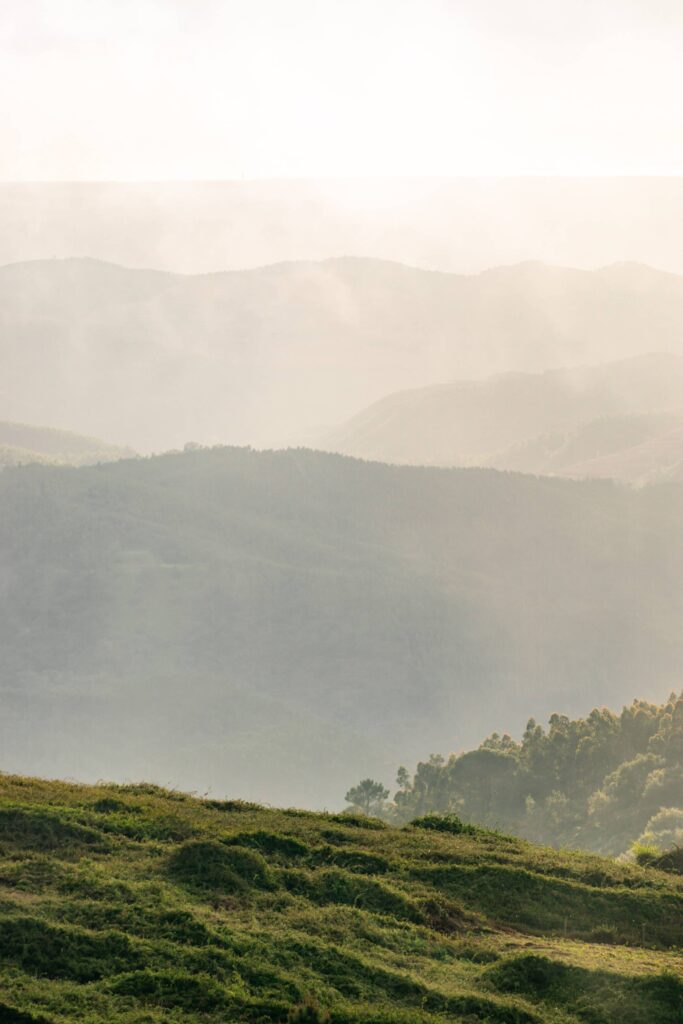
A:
{"points": [[135, 904]]}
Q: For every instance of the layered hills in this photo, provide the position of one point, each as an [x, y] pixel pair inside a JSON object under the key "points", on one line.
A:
{"points": [[259, 621], [280, 353], [621, 419]]}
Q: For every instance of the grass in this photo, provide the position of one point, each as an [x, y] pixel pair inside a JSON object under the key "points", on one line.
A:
{"points": [[130, 904]]}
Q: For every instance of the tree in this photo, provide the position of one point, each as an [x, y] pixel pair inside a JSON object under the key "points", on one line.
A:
{"points": [[367, 795]]}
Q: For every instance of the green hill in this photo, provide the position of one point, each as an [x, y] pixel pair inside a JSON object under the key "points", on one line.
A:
{"points": [[21, 444], [261, 621], [133, 904]]}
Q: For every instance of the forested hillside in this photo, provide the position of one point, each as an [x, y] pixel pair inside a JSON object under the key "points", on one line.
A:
{"points": [[134, 904], [603, 782], [257, 622]]}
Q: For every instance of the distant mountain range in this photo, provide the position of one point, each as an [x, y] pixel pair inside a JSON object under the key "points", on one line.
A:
{"points": [[456, 224], [270, 623], [21, 444], [281, 354], [622, 419]]}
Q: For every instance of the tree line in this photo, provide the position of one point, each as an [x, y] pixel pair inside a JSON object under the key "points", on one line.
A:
{"points": [[604, 782]]}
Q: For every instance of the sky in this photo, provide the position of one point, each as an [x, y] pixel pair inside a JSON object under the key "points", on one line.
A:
{"points": [[150, 90]]}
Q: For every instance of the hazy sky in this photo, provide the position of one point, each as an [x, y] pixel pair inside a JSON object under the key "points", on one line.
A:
{"points": [[180, 89]]}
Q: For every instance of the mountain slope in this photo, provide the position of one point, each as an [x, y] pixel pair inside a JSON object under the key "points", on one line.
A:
{"points": [[131, 903], [542, 423], [266, 355], [656, 458], [260, 621], [21, 444], [564, 453]]}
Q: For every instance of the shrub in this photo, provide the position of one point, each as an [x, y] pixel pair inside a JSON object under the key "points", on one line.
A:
{"points": [[232, 806], [307, 1012], [336, 886], [212, 865], [10, 1015], [444, 823], [531, 974], [645, 853], [45, 830], [173, 989], [270, 842], [353, 860], [671, 860], [109, 805], [54, 952]]}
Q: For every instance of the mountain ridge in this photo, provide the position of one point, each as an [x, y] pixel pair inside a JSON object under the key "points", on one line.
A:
{"points": [[318, 609], [269, 356], [490, 421]]}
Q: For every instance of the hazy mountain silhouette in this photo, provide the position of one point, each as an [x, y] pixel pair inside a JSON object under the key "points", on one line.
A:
{"points": [[260, 621], [21, 444], [658, 458], [553, 422], [276, 354], [456, 225]]}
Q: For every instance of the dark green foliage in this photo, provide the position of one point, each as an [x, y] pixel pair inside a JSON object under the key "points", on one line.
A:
{"points": [[357, 820], [444, 823], [444, 915], [333, 885], [110, 805], [531, 975], [45, 830], [64, 952], [575, 988], [597, 783], [10, 1015], [213, 865], [173, 989], [308, 1013], [670, 860], [232, 806], [286, 847], [353, 860]]}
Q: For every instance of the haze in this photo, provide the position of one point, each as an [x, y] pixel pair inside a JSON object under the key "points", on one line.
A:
{"points": [[197, 89]]}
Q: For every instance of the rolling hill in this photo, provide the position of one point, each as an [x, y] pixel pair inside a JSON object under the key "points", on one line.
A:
{"points": [[122, 904], [574, 422], [21, 444], [275, 355], [260, 622]]}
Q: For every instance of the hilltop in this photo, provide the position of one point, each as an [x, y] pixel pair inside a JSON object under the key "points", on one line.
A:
{"points": [[131, 904], [21, 444], [264, 620], [621, 419]]}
